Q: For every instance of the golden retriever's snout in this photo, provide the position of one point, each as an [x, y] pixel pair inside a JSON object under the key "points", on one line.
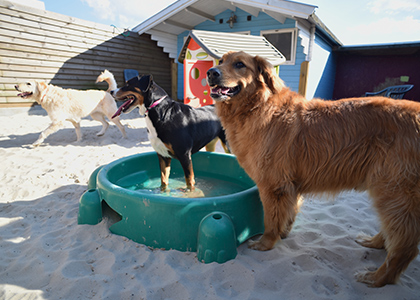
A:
{"points": [[219, 92], [213, 79], [213, 76]]}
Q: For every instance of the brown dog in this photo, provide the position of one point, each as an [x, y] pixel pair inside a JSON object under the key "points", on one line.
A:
{"points": [[290, 146]]}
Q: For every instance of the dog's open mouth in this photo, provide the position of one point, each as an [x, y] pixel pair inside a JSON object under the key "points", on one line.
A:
{"points": [[25, 94], [222, 92], [129, 100]]}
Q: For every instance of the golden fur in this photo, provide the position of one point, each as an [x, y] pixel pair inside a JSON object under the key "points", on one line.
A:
{"points": [[72, 105], [291, 146]]}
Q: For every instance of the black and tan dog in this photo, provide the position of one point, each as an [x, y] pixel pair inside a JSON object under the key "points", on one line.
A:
{"points": [[175, 130]]}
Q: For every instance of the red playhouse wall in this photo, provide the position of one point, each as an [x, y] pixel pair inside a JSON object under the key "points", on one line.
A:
{"points": [[196, 89]]}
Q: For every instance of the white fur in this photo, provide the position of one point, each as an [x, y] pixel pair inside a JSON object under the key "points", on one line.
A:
{"points": [[142, 109], [155, 141], [73, 105]]}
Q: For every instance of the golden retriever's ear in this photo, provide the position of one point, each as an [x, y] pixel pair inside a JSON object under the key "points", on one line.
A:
{"points": [[268, 73]]}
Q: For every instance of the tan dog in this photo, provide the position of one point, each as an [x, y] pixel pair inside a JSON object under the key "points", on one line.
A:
{"points": [[72, 105], [290, 146]]}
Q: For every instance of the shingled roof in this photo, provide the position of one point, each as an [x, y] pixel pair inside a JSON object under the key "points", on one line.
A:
{"points": [[218, 43]]}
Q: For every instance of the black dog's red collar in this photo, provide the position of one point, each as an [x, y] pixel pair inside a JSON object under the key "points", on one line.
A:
{"points": [[156, 103]]}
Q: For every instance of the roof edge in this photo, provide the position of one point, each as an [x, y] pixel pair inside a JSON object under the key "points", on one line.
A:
{"points": [[285, 7], [162, 15], [320, 25], [408, 44]]}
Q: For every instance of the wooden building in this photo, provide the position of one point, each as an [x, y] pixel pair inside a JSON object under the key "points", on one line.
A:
{"points": [[69, 52], [292, 27]]}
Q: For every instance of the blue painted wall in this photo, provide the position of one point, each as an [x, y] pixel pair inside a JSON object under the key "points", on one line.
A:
{"points": [[321, 71], [289, 73]]}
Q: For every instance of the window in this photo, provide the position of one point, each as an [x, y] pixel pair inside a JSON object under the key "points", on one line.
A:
{"points": [[285, 41]]}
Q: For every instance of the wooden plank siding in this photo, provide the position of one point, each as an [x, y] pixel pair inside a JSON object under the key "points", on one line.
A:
{"points": [[69, 52]]}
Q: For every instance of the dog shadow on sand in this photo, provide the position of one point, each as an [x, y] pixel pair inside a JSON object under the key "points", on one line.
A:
{"points": [[136, 137]]}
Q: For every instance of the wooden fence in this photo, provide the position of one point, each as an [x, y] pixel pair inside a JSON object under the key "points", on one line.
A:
{"points": [[69, 52]]}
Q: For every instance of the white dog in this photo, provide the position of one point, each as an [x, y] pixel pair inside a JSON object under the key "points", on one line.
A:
{"points": [[72, 105]]}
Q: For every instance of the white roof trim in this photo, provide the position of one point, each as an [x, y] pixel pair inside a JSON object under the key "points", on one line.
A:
{"points": [[167, 41], [290, 8], [164, 14]]}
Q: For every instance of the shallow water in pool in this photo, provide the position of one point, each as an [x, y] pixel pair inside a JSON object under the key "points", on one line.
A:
{"points": [[205, 186]]}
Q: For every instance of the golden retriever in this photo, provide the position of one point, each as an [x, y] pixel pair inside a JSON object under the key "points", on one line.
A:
{"points": [[72, 105], [291, 146]]}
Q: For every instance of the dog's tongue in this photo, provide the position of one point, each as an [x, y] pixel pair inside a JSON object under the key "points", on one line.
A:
{"points": [[119, 111], [24, 94], [220, 90]]}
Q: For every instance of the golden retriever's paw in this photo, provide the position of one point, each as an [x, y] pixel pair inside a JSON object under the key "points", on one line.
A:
{"points": [[35, 144], [367, 277], [363, 239], [262, 244], [375, 242]]}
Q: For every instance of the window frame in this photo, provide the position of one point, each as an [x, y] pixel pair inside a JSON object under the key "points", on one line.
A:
{"points": [[293, 45]]}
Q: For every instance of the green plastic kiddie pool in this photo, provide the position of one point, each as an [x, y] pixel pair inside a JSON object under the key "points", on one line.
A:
{"points": [[213, 226]]}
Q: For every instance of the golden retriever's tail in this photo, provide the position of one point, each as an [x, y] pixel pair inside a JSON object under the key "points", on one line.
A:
{"points": [[109, 78]]}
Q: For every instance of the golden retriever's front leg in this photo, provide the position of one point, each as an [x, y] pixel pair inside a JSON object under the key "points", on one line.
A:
{"points": [[54, 126], [280, 208], [211, 147]]}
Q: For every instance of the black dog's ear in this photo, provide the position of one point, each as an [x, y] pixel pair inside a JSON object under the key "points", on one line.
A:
{"points": [[145, 82]]}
